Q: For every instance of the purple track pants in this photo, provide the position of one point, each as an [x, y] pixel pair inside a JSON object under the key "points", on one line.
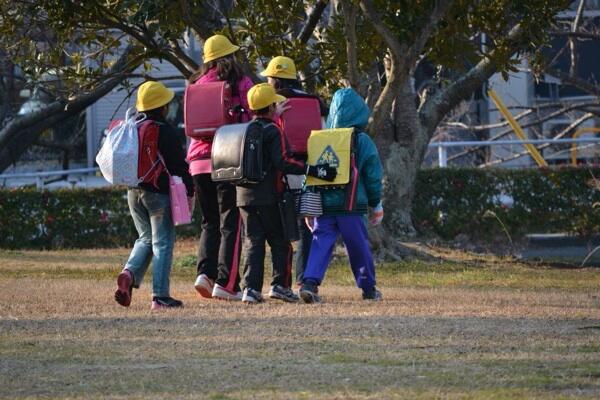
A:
{"points": [[354, 233]]}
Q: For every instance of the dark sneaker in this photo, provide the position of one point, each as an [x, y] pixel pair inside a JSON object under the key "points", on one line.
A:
{"points": [[124, 288], [252, 296], [309, 293], [373, 294], [285, 294], [159, 303]]}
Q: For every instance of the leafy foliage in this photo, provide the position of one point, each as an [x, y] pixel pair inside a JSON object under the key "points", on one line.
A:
{"points": [[448, 202], [68, 218], [76, 41], [453, 201]]}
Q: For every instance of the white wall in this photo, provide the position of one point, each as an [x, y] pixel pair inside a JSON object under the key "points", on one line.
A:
{"points": [[517, 91]]}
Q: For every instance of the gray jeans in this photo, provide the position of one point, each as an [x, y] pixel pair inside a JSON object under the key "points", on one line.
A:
{"points": [[151, 213]]}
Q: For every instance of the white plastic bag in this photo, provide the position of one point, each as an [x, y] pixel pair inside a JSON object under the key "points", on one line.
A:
{"points": [[118, 156]]}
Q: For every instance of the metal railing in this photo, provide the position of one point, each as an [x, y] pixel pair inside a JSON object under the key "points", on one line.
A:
{"points": [[39, 175], [443, 146]]}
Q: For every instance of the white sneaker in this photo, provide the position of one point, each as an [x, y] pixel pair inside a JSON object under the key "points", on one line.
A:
{"points": [[219, 292], [204, 286]]}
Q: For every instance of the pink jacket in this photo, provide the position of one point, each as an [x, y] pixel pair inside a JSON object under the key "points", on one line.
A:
{"points": [[198, 153]]}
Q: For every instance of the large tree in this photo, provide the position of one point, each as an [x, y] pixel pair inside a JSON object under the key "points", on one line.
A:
{"points": [[379, 47]]}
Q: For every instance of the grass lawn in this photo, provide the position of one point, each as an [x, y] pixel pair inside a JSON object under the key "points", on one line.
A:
{"points": [[469, 327]]}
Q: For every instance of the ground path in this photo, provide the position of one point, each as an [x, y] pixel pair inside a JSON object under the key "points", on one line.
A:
{"points": [[472, 327]]}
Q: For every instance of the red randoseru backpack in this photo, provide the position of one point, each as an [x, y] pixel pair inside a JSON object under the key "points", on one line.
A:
{"points": [[149, 165]]}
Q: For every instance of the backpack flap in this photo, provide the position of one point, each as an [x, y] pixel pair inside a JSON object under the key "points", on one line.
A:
{"points": [[303, 117], [207, 106], [227, 155], [333, 147]]}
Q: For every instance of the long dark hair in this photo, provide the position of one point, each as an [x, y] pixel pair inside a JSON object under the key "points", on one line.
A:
{"points": [[283, 83], [228, 69]]}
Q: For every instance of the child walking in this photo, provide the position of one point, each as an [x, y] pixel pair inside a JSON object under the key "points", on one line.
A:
{"points": [[281, 74], [219, 247], [258, 202], [348, 110], [150, 205]]}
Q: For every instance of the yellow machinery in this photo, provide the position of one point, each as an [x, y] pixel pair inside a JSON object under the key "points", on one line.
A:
{"points": [[517, 128]]}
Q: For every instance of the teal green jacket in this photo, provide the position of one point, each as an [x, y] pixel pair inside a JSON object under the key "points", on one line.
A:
{"points": [[349, 110]]}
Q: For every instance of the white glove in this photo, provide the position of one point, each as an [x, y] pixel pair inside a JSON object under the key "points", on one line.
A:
{"points": [[376, 215]]}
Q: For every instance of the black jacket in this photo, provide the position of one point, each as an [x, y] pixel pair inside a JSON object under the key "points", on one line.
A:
{"points": [[277, 161], [171, 148]]}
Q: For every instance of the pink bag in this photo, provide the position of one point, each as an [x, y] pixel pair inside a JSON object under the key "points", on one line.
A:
{"points": [[180, 208], [180, 211]]}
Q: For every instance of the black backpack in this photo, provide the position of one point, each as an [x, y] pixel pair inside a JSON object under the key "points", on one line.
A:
{"points": [[237, 154]]}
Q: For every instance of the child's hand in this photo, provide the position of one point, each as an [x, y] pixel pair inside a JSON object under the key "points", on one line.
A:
{"points": [[376, 215], [310, 223], [282, 107]]}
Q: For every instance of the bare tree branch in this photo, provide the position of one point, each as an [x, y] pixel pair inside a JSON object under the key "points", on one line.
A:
{"points": [[576, 82], [313, 18], [21, 132], [380, 116], [433, 110], [440, 9], [572, 41], [350, 11], [564, 108], [578, 35], [182, 55], [562, 134], [204, 24]]}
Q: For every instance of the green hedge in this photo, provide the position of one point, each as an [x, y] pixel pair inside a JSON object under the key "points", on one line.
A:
{"points": [[68, 218], [453, 201], [447, 202]]}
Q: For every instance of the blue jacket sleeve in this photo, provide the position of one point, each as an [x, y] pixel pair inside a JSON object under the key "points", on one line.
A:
{"points": [[371, 171]]}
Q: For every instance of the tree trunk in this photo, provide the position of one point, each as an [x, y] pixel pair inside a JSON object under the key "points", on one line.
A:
{"points": [[401, 154]]}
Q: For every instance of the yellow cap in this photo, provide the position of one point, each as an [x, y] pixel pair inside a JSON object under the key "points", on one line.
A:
{"points": [[218, 46], [153, 95], [280, 67], [263, 95]]}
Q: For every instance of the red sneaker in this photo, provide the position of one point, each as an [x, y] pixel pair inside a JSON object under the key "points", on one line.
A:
{"points": [[124, 288]]}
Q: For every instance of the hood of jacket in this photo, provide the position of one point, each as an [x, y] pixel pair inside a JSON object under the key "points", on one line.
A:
{"points": [[348, 110]]}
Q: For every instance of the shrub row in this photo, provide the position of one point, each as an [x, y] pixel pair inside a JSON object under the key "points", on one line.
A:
{"points": [[480, 203], [77, 218], [485, 202]]}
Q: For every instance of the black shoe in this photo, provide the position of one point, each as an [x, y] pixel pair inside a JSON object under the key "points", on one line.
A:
{"points": [[373, 294], [165, 302], [252, 296], [281, 293], [309, 293]]}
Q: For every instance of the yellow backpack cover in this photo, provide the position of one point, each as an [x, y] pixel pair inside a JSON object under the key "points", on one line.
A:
{"points": [[333, 147]]}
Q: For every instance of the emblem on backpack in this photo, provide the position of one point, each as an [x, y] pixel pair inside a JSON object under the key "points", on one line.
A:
{"points": [[328, 156]]}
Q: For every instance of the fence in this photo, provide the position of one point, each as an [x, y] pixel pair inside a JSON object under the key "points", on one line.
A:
{"points": [[443, 146]]}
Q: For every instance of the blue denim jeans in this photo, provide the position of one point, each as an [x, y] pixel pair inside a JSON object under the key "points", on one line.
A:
{"points": [[151, 213]]}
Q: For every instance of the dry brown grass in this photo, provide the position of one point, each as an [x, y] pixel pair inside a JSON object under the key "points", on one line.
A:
{"points": [[471, 328]]}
